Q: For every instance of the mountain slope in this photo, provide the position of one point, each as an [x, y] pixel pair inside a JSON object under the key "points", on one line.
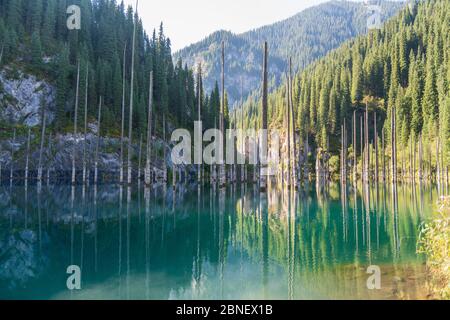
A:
{"points": [[402, 70], [306, 36]]}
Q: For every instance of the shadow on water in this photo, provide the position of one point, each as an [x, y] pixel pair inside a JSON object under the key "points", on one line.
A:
{"points": [[201, 243]]}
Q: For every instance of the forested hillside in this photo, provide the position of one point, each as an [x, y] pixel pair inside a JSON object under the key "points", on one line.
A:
{"points": [[306, 36], [35, 39], [402, 70]]}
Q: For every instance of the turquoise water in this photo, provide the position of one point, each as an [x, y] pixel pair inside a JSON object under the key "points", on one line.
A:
{"points": [[136, 243]]}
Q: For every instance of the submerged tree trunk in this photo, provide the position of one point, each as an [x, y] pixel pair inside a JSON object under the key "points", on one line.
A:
{"points": [[11, 174], [85, 126], [27, 161], [98, 142], [148, 164], [394, 145], [294, 139], [164, 150], [375, 141], [222, 169], [383, 151], [362, 147], [41, 149], [264, 146], [130, 124], [355, 156], [122, 130], [75, 128], [49, 149], [199, 83], [288, 125]]}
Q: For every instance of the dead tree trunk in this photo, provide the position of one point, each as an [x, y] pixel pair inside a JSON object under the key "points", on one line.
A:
{"points": [[383, 152], [27, 161], [375, 139], [139, 160], [85, 125], [122, 130], [41, 149], [49, 149], [394, 145], [362, 147], [367, 161], [164, 150], [75, 128], [1, 53], [288, 125], [199, 93], [264, 146], [355, 158], [98, 142], [130, 124], [148, 164], [294, 138], [222, 169], [11, 174]]}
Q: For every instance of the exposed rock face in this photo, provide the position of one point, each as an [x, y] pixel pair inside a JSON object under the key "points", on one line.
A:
{"points": [[22, 97]]}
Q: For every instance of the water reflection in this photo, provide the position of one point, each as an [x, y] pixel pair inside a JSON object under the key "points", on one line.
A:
{"points": [[141, 243]]}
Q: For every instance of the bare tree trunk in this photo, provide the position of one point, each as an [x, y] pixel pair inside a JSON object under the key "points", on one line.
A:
{"points": [[98, 142], [414, 159], [49, 149], [342, 155], [375, 139], [130, 124], [1, 54], [122, 131], [222, 169], [41, 149], [140, 160], [305, 168], [288, 124], [294, 139], [367, 162], [264, 146], [85, 125], [394, 146], [235, 150], [164, 150], [1, 164], [148, 168], [383, 152], [362, 148], [27, 161], [420, 158], [438, 174], [75, 128], [345, 151], [11, 174], [243, 146], [355, 158], [199, 89]]}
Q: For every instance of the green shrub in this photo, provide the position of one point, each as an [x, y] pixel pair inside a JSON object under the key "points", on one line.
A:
{"points": [[435, 244]]}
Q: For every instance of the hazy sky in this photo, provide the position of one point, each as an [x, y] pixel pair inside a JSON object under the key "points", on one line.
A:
{"points": [[188, 21]]}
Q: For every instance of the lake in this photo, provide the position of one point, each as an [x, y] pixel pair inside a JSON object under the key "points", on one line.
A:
{"points": [[137, 243]]}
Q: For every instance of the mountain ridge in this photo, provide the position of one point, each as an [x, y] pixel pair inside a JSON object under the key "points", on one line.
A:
{"points": [[299, 36]]}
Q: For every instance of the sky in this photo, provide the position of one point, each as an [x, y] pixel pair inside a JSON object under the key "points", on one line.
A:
{"points": [[189, 21]]}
